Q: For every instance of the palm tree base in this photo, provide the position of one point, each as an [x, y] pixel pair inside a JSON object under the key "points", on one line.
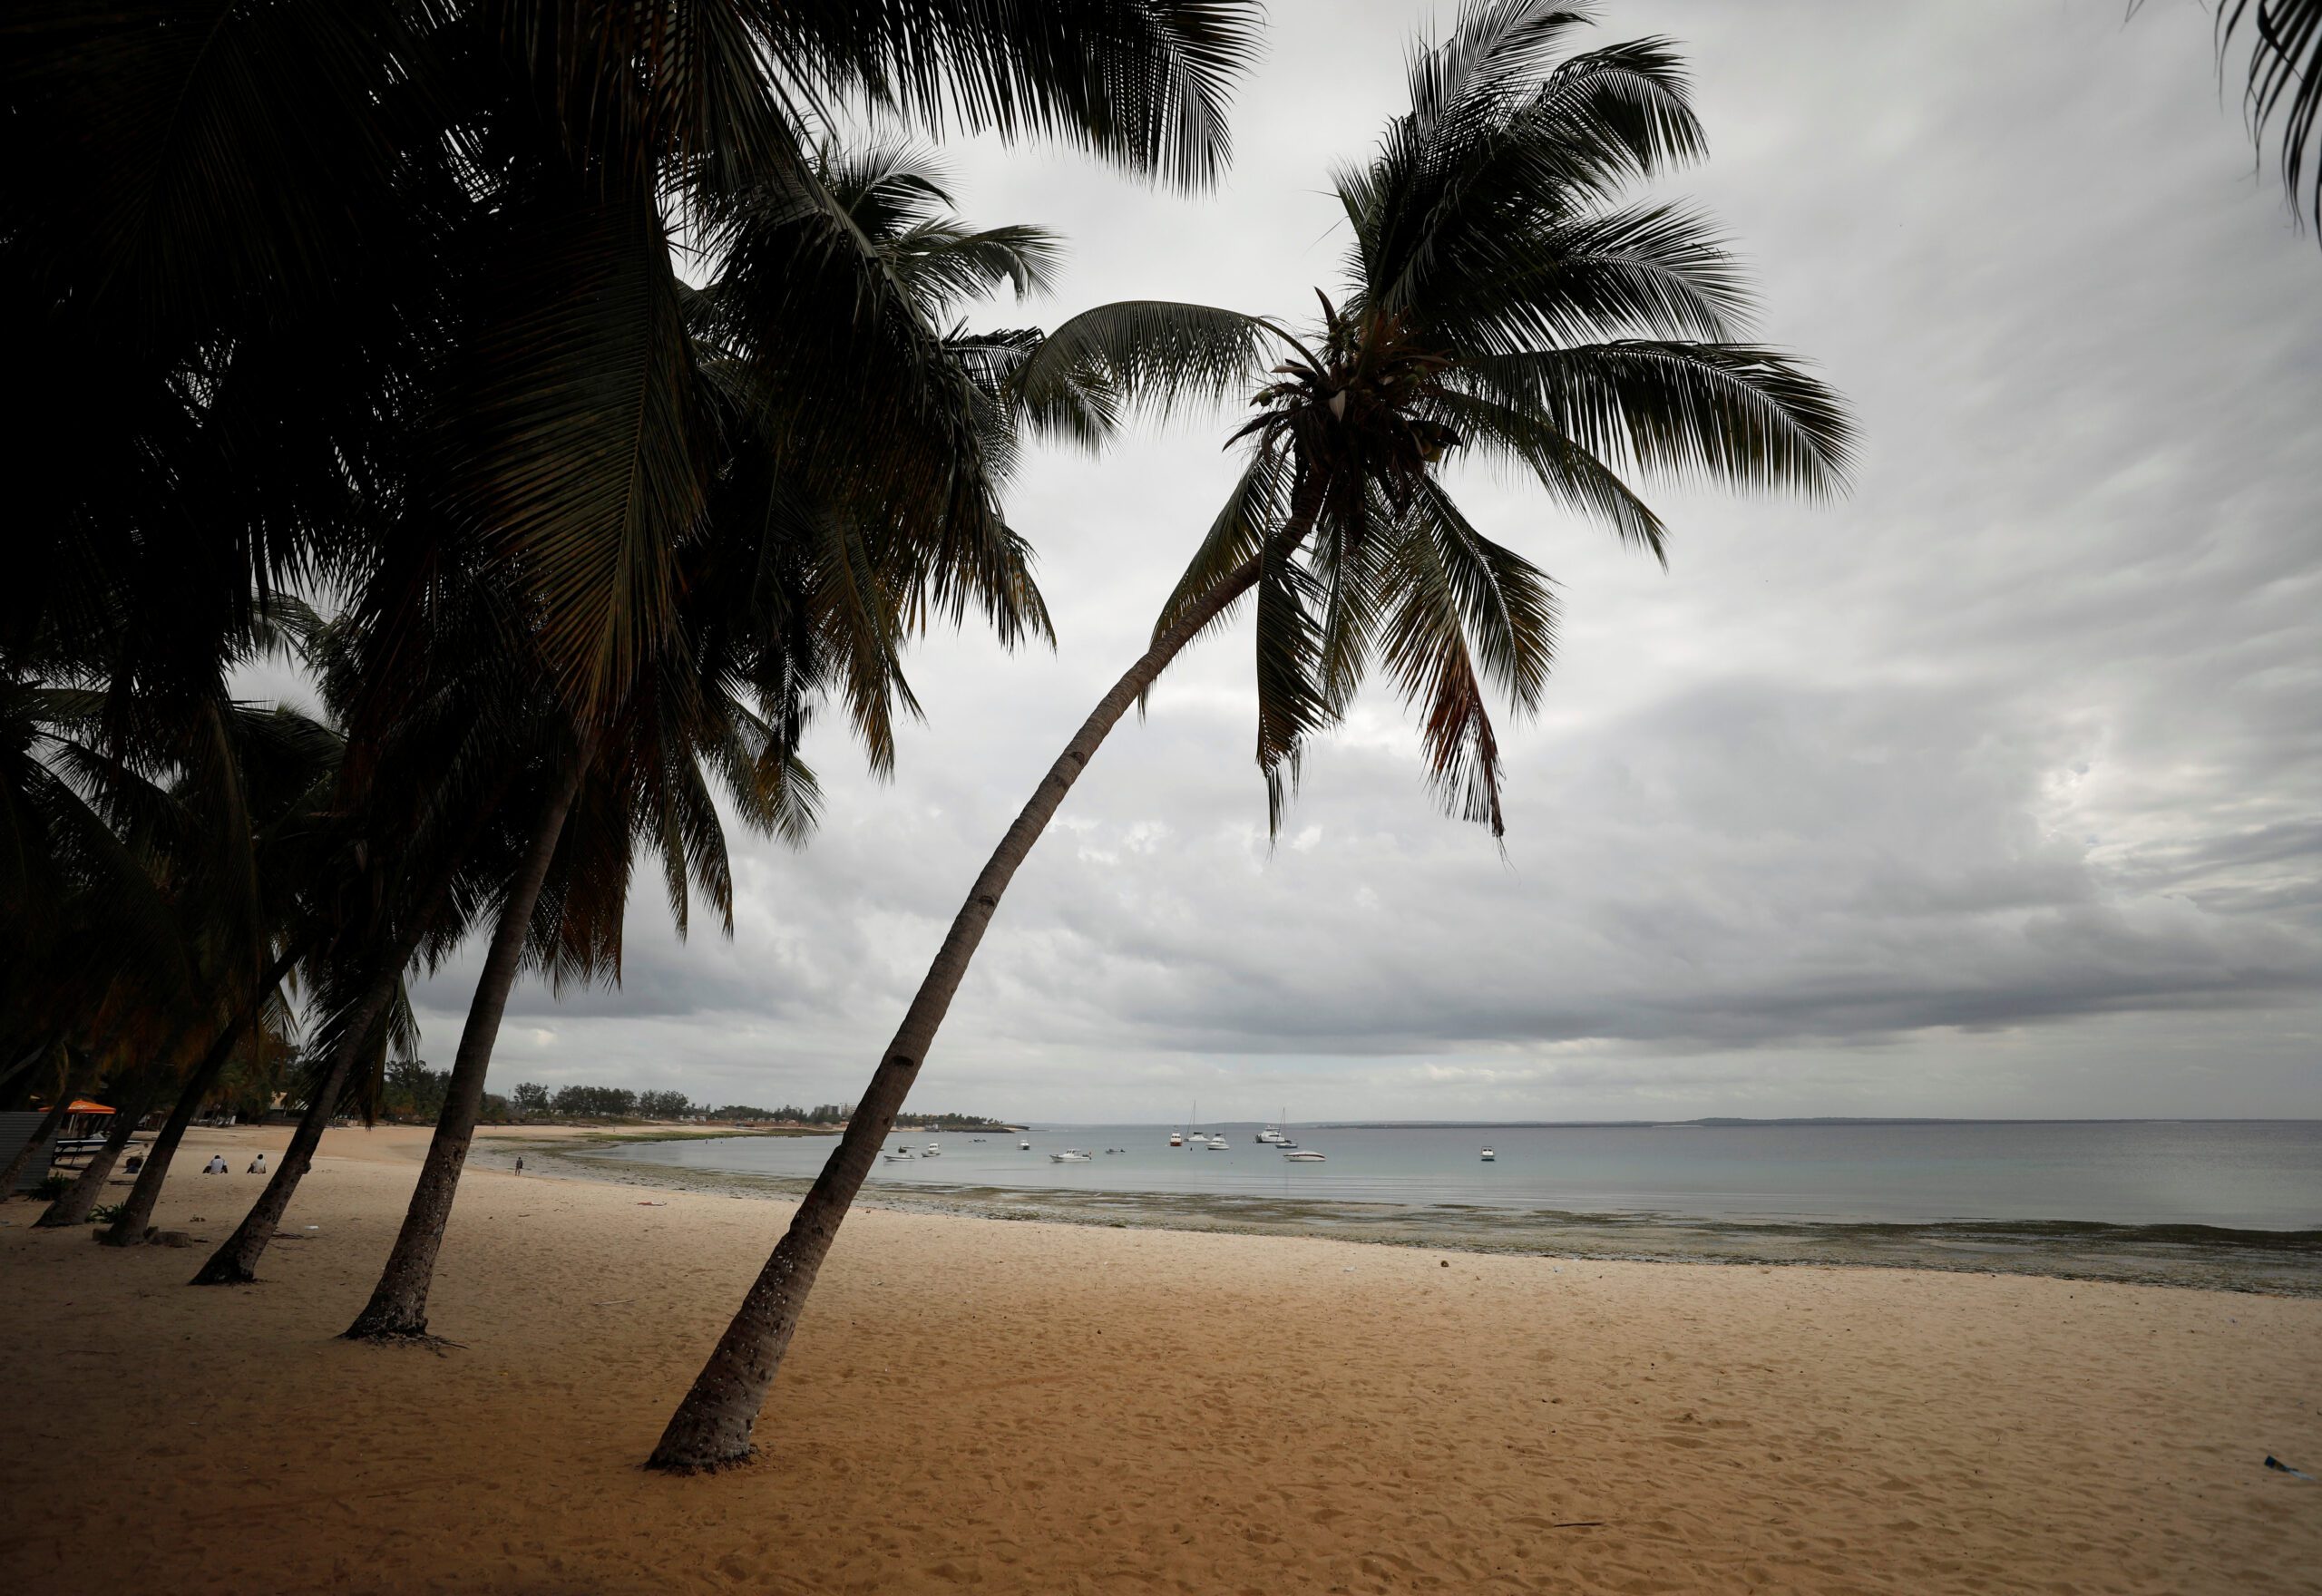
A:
{"points": [[221, 1270], [384, 1326], [701, 1445]]}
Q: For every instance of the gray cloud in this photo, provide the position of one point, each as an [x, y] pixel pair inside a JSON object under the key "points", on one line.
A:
{"points": [[1997, 788]]}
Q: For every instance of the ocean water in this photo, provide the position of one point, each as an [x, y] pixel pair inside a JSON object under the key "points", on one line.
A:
{"points": [[2235, 1175]]}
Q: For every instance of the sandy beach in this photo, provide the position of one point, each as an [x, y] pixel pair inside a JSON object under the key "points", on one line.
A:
{"points": [[979, 1405]]}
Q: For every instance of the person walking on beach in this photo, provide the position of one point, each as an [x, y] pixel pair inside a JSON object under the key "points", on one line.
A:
{"points": [[519, 1164]]}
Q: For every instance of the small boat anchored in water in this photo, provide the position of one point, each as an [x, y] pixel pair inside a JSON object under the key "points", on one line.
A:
{"points": [[1024, 1145], [1303, 1155], [1070, 1155], [1489, 1156]]}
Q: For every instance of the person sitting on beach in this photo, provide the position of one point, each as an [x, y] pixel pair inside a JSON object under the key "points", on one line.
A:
{"points": [[216, 1166], [258, 1166]]}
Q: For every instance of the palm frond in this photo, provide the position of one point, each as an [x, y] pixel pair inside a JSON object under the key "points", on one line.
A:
{"points": [[1505, 604], [1152, 354], [1293, 701], [1424, 645], [1729, 413], [1141, 83], [570, 447], [1255, 507], [2283, 79], [1488, 429]]}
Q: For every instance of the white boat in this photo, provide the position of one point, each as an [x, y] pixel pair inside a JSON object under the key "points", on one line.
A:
{"points": [[899, 1155], [1303, 1155], [1215, 1144], [1070, 1155], [1272, 1136], [1176, 1140], [1024, 1147], [932, 1152], [1489, 1156]]}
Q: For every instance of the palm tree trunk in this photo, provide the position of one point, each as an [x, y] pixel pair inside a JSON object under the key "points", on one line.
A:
{"points": [[712, 1426], [236, 1263], [78, 1073], [73, 1207], [129, 1229], [398, 1307]]}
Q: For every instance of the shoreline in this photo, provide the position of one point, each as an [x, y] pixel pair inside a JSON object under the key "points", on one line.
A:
{"points": [[2286, 1263]]}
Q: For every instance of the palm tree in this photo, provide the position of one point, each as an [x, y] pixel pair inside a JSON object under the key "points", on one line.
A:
{"points": [[794, 580], [1501, 300]]}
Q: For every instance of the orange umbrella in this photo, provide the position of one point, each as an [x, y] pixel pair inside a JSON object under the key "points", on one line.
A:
{"points": [[83, 1105]]}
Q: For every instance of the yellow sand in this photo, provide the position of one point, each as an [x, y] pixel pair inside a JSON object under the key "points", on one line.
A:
{"points": [[975, 1404]]}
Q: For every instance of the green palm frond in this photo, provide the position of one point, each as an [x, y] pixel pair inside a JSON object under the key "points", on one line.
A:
{"points": [[1152, 354], [943, 265], [1424, 645], [1258, 503], [571, 444], [1490, 430], [1501, 143], [1647, 270], [1142, 82], [1293, 703], [1505, 604], [1720, 412]]}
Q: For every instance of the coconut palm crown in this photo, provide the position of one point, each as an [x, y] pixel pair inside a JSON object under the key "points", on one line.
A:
{"points": [[1504, 297]]}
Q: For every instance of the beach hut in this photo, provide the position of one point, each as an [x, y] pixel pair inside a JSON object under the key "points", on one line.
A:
{"points": [[83, 1132]]}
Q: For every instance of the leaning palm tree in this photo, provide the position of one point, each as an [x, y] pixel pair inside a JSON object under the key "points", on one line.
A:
{"points": [[1501, 300]]}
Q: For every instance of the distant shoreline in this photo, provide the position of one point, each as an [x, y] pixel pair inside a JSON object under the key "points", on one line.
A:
{"points": [[2283, 1264]]}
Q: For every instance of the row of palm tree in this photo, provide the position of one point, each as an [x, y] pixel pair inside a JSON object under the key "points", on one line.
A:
{"points": [[386, 302]]}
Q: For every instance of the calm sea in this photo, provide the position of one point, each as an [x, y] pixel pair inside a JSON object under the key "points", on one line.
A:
{"points": [[2247, 1175]]}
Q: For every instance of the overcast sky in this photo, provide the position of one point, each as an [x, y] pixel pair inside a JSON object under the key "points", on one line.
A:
{"points": [[1993, 789]]}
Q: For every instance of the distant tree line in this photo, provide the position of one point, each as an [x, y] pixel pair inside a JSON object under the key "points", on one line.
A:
{"points": [[822, 1114], [412, 1091], [531, 1100], [956, 1121]]}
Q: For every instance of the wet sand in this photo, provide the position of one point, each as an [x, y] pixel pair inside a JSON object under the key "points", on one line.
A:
{"points": [[974, 1404]]}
